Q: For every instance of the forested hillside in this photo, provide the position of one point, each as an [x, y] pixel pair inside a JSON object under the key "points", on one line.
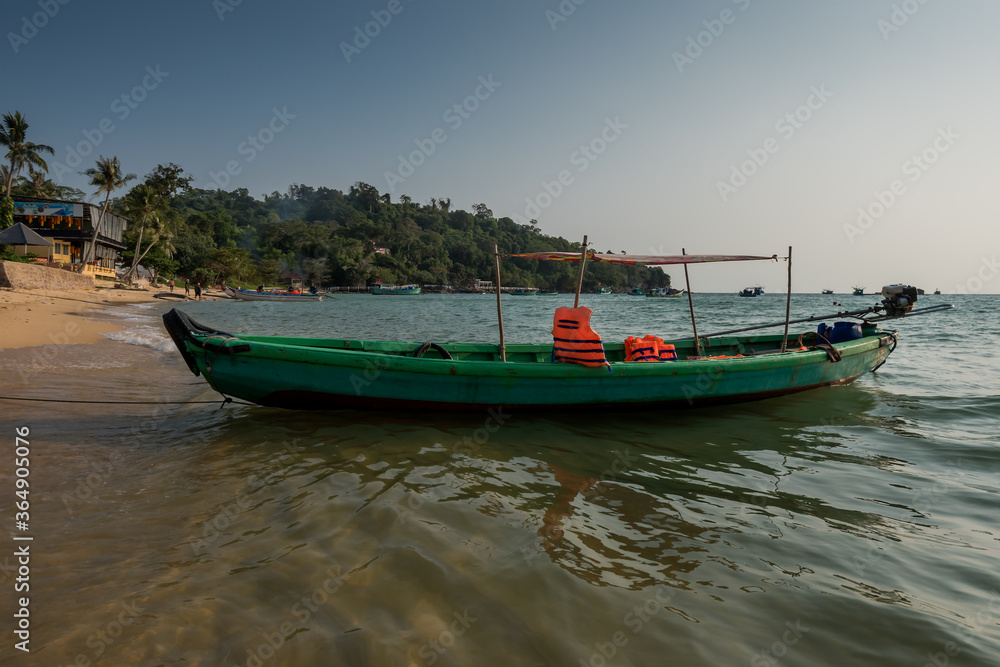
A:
{"points": [[355, 238]]}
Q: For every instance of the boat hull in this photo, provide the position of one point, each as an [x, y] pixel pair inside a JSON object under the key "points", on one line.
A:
{"points": [[330, 374], [244, 295]]}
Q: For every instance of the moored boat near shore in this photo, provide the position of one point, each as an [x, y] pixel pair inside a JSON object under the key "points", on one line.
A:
{"points": [[333, 373], [250, 295], [403, 290]]}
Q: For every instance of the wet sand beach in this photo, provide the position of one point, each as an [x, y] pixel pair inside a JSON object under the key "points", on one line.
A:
{"points": [[42, 317]]}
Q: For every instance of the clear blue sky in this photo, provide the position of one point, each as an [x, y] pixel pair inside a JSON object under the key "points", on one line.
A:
{"points": [[786, 119]]}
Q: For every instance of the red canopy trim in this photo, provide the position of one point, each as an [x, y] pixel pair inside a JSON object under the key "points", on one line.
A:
{"points": [[651, 260]]}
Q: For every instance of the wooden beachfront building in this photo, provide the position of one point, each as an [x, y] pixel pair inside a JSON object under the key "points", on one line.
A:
{"points": [[69, 226]]}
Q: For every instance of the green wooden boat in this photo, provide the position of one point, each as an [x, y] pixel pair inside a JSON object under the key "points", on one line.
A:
{"points": [[320, 373]]}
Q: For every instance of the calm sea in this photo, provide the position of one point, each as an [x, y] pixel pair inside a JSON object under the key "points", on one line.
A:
{"points": [[851, 525]]}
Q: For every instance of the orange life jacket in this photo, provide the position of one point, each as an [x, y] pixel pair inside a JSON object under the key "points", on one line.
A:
{"points": [[649, 348], [573, 340]]}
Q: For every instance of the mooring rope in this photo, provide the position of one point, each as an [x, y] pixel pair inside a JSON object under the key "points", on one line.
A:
{"points": [[61, 400]]}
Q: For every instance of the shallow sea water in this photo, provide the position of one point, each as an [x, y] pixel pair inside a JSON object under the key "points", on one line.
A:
{"points": [[846, 525]]}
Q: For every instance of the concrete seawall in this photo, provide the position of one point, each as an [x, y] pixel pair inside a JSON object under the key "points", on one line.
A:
{"points": [[33, 276]]}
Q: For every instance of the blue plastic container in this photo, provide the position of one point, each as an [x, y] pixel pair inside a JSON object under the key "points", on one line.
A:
{"points": [[840, 331], [844, 331]]}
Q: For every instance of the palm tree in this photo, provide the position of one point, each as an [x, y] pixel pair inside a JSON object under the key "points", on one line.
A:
{"points": [[20, 152], [36, 185], [107, 178], [163, 234], [142, 203]]}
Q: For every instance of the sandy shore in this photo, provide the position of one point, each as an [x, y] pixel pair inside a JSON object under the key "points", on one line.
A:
{"points": [[43, 317]]}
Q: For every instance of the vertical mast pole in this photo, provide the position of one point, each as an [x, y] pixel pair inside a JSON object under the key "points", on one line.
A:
{"points": [[687, 285], [788, 303], [579, 280], [503, 349]]}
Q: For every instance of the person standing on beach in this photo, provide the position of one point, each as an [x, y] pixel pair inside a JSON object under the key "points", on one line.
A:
{"points": [[171, 284], [187, 289], [197, 291]]}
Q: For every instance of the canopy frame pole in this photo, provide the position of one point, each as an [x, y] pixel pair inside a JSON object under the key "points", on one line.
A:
{"points": [[694, 326], [503, 348], [579, 279], [859, 314], [788, 302]]}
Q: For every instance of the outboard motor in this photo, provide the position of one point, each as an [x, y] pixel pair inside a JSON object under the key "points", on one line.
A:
{"points": [[899, 299]]}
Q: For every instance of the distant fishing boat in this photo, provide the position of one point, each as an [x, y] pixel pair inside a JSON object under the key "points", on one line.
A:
{"points": [[755, 290], [666, 292], [392, 289], [858, 290], [937, 291], [827, 291], [522, 291], [603, 290], [251, 295]]}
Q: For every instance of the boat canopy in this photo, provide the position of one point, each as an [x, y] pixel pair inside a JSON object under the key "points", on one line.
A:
{"points": [[651, 260]]}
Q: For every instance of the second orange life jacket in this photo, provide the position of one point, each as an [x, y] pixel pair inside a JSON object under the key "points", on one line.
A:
{"points": [[649, 348]]}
